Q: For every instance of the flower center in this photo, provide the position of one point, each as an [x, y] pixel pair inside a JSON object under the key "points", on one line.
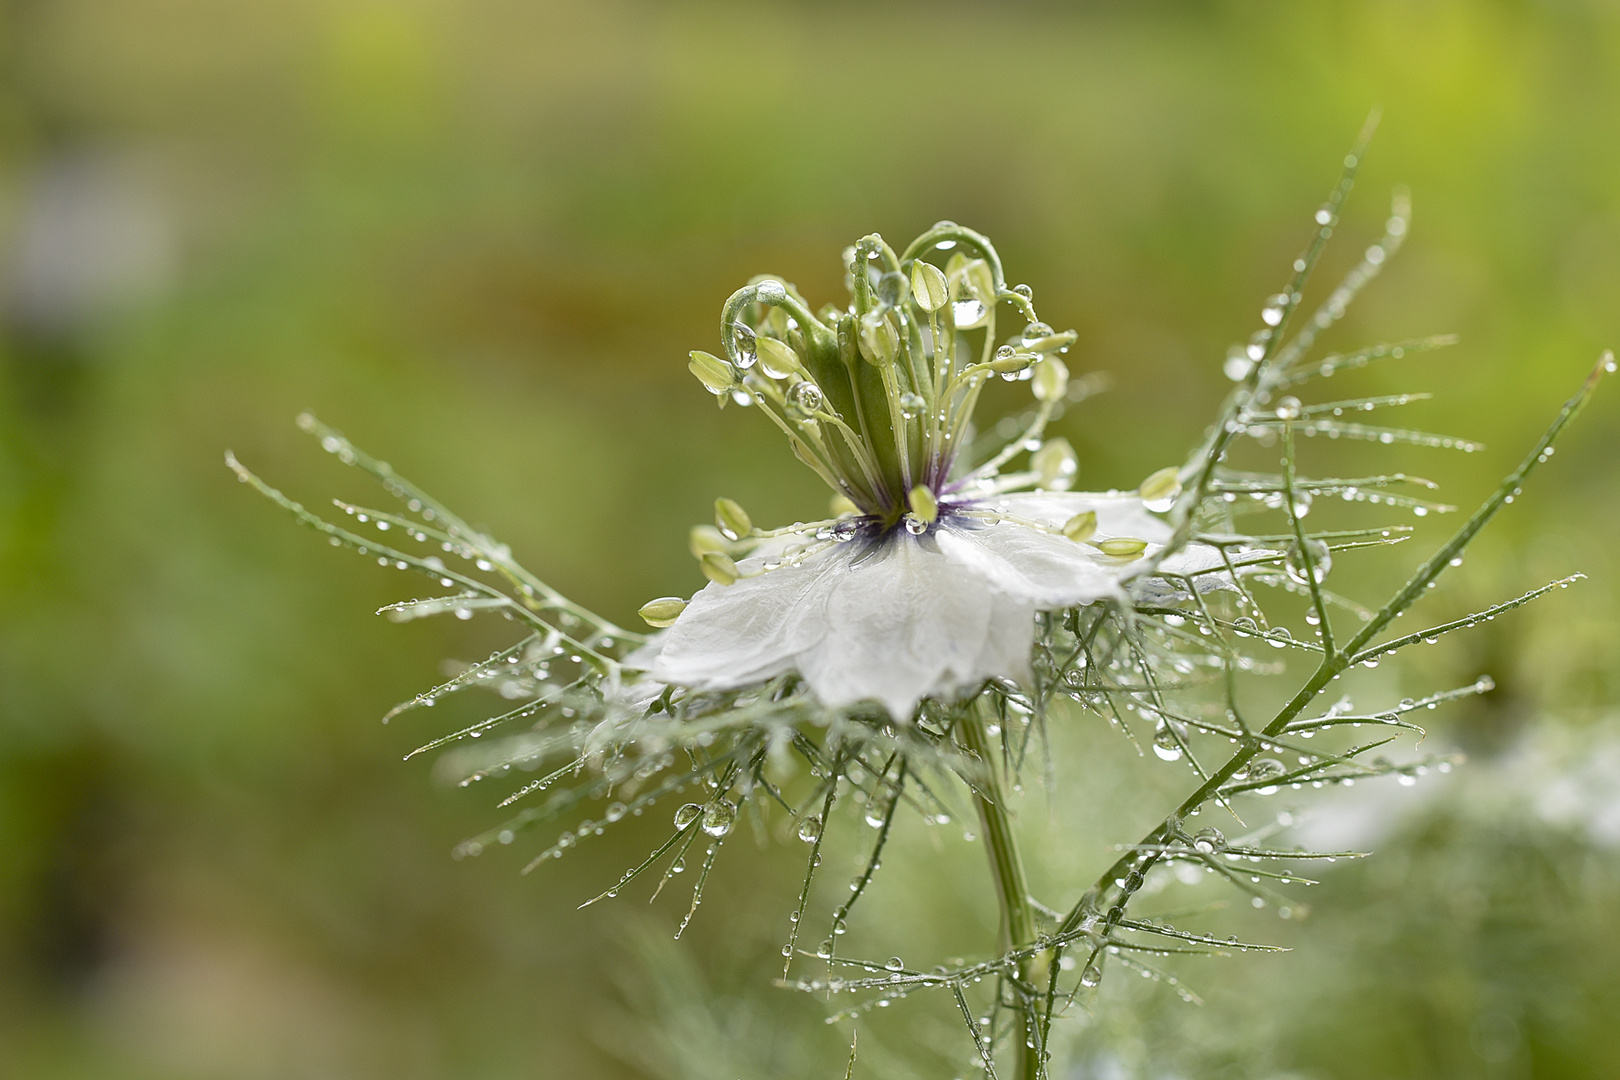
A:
{"points": [[876, 397]]}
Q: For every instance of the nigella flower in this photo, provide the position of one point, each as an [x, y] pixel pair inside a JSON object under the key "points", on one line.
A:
{"points": [[927, 581]]}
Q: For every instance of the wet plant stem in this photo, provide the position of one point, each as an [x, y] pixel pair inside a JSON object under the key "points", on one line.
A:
{"points": [[1012, 891]]}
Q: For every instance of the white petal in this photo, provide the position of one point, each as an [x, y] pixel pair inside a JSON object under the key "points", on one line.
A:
{"points": [[1042, 569], [907, 623], [1117, 515], [1010, 640], [732, 635]]}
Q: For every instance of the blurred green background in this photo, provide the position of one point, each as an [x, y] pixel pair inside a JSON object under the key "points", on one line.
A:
{"points": [[480, 237]]}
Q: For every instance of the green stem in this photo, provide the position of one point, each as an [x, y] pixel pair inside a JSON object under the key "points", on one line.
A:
{"points": [[1012, 891]]}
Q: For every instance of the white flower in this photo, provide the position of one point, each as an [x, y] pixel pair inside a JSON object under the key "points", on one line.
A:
{"points": [[899, 617], [930, 581]]}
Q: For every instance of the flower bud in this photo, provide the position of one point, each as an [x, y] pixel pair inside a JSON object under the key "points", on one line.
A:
{"points": [[717, 376], [704, 539], [1080, 527], [923, 504], [879, 341], [777, 358], [928, 286], [1055, 464], [1050, 380], [733, 520], [663, 611], [1159, 491], [719, 568], [1123, 547]]}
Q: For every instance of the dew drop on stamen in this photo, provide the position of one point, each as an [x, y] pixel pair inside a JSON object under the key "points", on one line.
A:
{"points": [[743, 338], [806, 397], [968, 313]]}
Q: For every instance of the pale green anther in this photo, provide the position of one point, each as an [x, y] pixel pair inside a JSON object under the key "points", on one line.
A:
{"points": [[663, 611], [1161, 486], [879, 341], [923, 504], [928, 286], [719, 568], [1123, 547], [1012, 362], [733, 520], [777, 358], [704, 539], [1050, 380], [1080, 527], [1055, 465], [842, 506], [714, 373]]}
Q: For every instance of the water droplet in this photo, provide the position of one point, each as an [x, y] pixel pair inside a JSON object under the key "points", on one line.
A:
{"points": [[1320, 561], [915, 525], [687, 814], [894, 963], [742, 337], [1288, 408], [1091, 976], [911, 405], [1025, 291], [718, 817], [770, 292], [615, 811], [805, 397], [1165, 742], [1272, 313], [1209, 840], [845, 530], [1237, 365], [968, 313], [810, 829]]}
